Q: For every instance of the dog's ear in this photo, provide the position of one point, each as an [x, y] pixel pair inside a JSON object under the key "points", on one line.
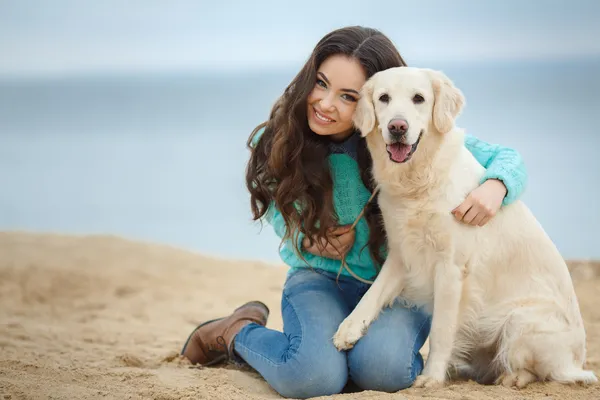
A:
{"points": [[449, 101], [364, 115]]}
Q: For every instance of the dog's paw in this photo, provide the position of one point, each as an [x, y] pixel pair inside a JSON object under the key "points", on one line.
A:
{"points": [[426, 381], [519, 379], [348, 333]]}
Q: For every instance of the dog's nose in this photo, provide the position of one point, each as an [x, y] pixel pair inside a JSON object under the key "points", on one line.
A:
{"points": [[398, 127]]}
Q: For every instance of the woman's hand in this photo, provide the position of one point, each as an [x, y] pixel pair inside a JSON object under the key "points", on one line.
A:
{"points": [[482, 203], [339, 240]]}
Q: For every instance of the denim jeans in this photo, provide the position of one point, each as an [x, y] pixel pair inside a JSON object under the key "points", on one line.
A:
{"points": [[302, 362]]}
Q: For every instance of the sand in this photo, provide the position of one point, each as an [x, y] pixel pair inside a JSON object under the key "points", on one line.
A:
{"points": [[101, 317]]}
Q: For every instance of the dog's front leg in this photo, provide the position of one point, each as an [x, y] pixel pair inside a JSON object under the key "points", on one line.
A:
{"points": [[386, 287], [447, 291]]}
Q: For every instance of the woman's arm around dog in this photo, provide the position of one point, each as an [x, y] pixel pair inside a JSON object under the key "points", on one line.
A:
{"points": [[503, 182]]}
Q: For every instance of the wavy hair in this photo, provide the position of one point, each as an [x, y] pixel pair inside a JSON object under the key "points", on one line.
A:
{"points": [[288, 165]]}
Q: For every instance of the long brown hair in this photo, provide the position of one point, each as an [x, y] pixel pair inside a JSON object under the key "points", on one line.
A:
{"points": [[289, 166]]}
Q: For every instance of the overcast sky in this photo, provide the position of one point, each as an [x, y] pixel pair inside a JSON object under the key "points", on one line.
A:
{"points": [[65, 36]]}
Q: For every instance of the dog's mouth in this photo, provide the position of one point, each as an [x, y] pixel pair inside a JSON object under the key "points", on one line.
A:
{"points": [[400, 152]]}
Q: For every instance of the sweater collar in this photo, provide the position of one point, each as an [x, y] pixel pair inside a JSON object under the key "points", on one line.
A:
{"points": [[348, 146]]}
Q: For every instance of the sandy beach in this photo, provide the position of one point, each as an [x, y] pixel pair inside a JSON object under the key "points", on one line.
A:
{"points": [[101, 317]]}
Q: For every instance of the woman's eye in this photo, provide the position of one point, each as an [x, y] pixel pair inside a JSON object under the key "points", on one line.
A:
{"points": [[321, 83], [384, 98], [348, 97], [418, 99]]}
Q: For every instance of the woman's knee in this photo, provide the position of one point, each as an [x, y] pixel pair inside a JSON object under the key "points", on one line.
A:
{"points": [[387, 373], [387, 358], [307, 377]]}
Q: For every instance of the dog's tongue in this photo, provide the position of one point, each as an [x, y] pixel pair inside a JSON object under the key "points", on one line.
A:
{"points": [[398, 151]]}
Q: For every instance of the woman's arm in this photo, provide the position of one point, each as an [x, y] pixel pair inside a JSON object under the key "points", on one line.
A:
{"points": [[340, 239], [504, 181], [274, 217]]}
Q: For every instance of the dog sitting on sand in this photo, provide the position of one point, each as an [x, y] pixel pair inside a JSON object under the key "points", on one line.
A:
{"points": [[503, 303]]}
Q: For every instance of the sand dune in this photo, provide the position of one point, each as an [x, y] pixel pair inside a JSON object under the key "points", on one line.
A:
{"points": [[101, 317]]}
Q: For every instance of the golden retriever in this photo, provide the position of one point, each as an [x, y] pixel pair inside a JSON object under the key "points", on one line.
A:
{"points": [[502, 301]]}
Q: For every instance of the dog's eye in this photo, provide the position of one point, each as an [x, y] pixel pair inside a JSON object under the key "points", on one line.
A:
{"points": [[384, 98], [418, 99]]}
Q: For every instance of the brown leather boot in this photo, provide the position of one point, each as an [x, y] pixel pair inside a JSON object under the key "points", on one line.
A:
{"points": [[211, 342]]}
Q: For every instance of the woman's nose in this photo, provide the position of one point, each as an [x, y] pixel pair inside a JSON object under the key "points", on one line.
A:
{"points": [[327, 103]]}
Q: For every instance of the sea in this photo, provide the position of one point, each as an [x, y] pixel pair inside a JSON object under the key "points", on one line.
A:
{"points": [[161, 157]]}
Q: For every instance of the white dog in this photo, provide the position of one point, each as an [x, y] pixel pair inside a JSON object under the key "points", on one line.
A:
{"points": [[503, 304]]}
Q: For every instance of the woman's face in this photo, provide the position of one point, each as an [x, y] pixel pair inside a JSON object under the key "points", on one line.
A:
{"points": [[332, 101]]}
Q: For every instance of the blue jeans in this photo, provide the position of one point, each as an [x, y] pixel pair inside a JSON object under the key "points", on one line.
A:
{"points": [[302, 362]]}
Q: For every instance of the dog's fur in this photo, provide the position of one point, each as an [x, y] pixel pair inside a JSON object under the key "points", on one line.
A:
{"points": [[503, 305]]}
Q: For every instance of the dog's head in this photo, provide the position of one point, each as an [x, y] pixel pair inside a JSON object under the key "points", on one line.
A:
{"points": [[406, 103]]}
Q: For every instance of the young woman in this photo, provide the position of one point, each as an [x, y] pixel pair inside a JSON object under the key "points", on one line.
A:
{"points": [[308, 176]]}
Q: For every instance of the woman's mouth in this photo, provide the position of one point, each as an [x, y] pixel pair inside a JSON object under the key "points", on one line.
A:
{"points": [[321, 118]]}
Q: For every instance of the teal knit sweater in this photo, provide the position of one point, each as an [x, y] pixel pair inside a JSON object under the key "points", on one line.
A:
{"points": [[350, 196]]}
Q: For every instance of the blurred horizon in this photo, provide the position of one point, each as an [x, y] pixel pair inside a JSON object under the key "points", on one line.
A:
{"points": [[289, 70]]}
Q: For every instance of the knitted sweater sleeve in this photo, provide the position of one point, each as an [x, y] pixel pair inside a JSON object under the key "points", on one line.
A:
{"points": [[275, 219], [502, 163]]}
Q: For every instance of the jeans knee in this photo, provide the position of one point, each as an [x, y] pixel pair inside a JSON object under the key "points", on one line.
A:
{"points": [[306, 378], [390, 375]]}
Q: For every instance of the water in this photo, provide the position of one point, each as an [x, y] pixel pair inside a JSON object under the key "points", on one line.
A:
{"points": [[162, 158]]}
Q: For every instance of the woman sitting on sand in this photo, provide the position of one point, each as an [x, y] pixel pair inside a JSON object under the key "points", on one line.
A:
{"points": [[311, 168]]}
